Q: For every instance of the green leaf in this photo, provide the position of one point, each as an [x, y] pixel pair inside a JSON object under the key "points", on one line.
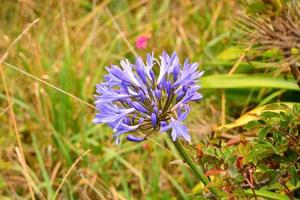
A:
{"points": [[199, 187], [294, 175], [263, 132], [291, 155], [279, 106], [272, 53], [269, 114], [230, 53], [296, 110], [253, 124], [267, 194], [246, 81]]}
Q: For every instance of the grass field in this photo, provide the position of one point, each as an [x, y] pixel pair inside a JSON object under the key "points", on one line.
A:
{"points": [[53, 53]]}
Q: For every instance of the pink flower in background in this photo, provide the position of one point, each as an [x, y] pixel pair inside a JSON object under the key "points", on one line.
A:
{"points": [[142, 41]]}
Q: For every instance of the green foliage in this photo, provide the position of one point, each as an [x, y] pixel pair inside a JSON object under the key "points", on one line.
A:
{"points": [[246, 81], [268, 159]]}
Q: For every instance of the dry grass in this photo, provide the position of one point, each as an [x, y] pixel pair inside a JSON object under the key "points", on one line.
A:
{"points": [[47, 87]]}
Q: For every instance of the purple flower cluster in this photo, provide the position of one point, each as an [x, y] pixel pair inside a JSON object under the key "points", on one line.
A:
{"points": [[144, 98]]}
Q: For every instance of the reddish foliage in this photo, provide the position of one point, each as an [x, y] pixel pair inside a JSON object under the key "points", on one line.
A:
{"points": [[213, 172], [233, 141], [199, 151], [239, 162]]}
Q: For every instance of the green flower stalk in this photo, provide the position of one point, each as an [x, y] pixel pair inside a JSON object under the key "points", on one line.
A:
{"points": [[197, 171]]}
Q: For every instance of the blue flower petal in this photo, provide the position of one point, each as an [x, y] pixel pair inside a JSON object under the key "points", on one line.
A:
{"points": [[132, 99], [108, 116], [153, 119], [132, 138], [179, 130], [108, 95], [128, 72]]}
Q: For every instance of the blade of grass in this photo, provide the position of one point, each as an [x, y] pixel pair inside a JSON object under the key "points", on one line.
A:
{"points": [[175, 184], [43, 168], [130, 167], [81, 23], [246, 81], [5, 110], [10, 102], [213, 20], [5, 55], [69, 171], [117, 27], [26, 174], [65, 150], [130, 148], [17, 102], [270, 97], [154, 179], [98, 192], [48, 84]]}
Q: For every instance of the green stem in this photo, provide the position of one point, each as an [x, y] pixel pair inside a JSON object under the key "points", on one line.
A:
{"points": [[198, 172]]}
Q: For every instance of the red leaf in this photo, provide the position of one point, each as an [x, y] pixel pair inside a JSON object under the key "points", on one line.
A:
{"points": [[199, 150], [239, 162], [233, 141], [213, 172]]}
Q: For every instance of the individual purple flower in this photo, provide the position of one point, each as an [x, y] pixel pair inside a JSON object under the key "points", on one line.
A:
{"points": [[139, 99]]}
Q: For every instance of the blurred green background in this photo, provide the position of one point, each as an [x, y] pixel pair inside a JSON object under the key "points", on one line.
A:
{"points": [[68, 47]]}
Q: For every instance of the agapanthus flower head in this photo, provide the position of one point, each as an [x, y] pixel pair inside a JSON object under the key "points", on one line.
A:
{"points": [[142, 98]]}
